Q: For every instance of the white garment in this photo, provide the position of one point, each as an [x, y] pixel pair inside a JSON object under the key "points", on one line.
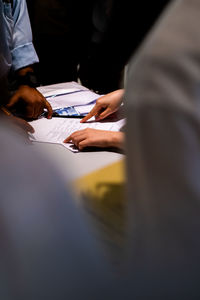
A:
{"points": [[163, 149]]}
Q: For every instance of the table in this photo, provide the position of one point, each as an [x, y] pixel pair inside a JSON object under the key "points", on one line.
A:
{"points": [[97, 178], [75, 165]]}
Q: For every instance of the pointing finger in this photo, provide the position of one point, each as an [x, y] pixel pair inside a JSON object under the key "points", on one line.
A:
{"points": [[91, 114], [49, 109], [67, 140]]}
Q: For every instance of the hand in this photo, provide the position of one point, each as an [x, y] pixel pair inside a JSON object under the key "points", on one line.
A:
{"points": [[32, 100], [105, 106], [94, 137]]}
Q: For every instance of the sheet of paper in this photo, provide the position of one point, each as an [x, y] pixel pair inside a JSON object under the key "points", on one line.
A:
{"points": [[76, 98], [85, 109], [60, 88], [56, 130]]}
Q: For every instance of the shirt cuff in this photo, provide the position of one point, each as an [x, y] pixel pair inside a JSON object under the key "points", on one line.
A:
{"points": [[23, 56]]}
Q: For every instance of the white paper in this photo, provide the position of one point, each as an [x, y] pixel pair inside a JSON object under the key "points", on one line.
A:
{"points": [[77, 98], [85, 109], [50, 90], [56, 130], [59, 92]]}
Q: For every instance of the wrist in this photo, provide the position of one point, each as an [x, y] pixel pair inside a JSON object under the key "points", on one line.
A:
{"points": [[117, 139], [28, 79]]}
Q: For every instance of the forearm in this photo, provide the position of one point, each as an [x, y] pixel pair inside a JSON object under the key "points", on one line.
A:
{"points": [[117, 95]]}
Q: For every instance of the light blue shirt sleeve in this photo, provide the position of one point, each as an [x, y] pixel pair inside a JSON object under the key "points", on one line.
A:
{"points": [[23, 51]]}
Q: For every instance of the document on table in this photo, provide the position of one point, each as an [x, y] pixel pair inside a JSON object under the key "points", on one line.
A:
{"points": [[56, 130], [61, 88], [73, 99], [68, 94], [61, 95]]}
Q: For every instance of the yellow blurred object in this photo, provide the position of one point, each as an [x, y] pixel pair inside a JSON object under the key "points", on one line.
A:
{"points": [[103, 198], [108, 179]]}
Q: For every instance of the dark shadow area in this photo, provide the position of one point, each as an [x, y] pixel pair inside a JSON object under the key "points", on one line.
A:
{"points": [[97, 149], [91, 40]]}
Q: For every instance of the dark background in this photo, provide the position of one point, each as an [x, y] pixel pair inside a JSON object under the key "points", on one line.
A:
{"points": [[98, 36]]}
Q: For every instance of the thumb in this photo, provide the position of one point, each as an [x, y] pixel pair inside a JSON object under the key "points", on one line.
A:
{"points": [[49, 109]]}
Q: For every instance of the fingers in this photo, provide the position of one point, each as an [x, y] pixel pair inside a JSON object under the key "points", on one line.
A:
{"points": [[76, 137], [68, 139], [91, 114], [33, 100], [38, 106], [102, 109], [86, 138], [49, 109], [104, 114], [83, 144], [80, 144]]}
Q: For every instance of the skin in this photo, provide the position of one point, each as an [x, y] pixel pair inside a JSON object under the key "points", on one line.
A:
{"points": [[90, 137], [105, 106], [33, 101]]}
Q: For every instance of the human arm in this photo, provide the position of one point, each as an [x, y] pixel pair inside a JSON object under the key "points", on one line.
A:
{"points": [[23, 57], [90, 137], [105, 106]]}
